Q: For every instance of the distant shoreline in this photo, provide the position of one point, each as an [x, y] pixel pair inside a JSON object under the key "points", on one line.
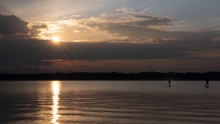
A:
{"points": [[114, 76]]}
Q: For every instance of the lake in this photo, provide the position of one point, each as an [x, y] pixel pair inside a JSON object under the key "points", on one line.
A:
{"points": [[109, 102]]}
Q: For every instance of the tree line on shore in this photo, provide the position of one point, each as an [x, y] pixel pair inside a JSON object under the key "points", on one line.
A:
{"points": [[113, 76]]}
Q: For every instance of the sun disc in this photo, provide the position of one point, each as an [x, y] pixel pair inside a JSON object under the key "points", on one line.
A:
{"points": [[56, 39]]}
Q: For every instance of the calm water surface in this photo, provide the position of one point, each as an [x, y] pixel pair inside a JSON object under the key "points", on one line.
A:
{"points": [[109, 102]]}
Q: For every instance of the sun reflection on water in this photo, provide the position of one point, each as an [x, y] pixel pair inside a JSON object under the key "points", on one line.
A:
{"points": [[56, 92]]}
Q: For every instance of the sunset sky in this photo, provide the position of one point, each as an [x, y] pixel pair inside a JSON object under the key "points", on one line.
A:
{"points": [[109, 35]]}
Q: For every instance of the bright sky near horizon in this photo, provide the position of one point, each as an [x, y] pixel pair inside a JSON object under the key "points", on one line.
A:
{"points": [[110, 35]]}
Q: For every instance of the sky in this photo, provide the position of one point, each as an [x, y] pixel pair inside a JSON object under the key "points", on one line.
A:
{"points": [[38, 36]]}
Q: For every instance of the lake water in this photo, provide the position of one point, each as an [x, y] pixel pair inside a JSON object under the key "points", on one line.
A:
{"points": [[109, 102]]}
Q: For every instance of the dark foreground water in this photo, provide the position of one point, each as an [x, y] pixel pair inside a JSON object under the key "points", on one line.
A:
{"points": [[109, 102]]}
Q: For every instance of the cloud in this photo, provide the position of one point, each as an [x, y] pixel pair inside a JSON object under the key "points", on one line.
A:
{"points": [[127, 65], [129, 20], [141, 27], [172, 11], [11, 24], [71, 56], [205, 54], [129, 26], [135, 26], [216, 19], [34, 50], [131, 35], [125, 10], [76, 31], [37, 29], [216, 39], [77, 15]]}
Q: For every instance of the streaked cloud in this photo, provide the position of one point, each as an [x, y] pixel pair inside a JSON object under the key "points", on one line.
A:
{"points": [[216, 39], [126, 10], [127, 65], [76, 31], [77, 15], [206, 54]]}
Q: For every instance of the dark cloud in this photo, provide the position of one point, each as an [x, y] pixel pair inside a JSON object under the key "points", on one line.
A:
{"points": [[22, 52], [36, 29], [154, 21], [11, 24], [129, 20], [33, 51], [32, 55]]}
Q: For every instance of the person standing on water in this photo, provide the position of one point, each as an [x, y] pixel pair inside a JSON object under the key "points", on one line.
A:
{"points": [[207, 83], [169, 83]]}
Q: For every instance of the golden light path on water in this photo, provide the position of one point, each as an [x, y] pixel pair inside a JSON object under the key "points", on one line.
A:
{"points": [[56, 92]]}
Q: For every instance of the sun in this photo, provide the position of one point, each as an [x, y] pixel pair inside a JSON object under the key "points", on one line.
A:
{"points": [[55, 39]]}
